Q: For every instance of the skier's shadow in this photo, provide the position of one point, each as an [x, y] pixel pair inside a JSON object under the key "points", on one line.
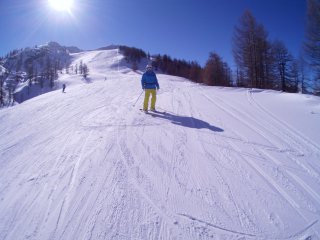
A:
{"points": [[186, 121]]}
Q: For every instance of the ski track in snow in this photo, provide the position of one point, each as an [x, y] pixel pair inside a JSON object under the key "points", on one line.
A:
{"points": [[219, 164], [290, 140]]}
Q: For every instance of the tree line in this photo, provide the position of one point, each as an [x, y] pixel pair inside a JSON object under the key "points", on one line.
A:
{"points": [[260, 62], [263, 63], [191, 70]]}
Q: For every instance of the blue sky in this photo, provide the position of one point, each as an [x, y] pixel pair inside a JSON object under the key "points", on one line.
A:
{"points": [[184, 29]]}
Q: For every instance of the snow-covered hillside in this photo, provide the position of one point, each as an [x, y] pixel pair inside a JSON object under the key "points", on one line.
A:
{"points": [[30, 72], [221, 163], [37, 57]]}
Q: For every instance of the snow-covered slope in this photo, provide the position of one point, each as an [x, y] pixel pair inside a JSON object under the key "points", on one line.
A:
{"points": [[221, 163]]}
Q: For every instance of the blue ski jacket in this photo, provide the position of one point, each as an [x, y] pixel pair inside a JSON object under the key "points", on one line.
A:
{"points": [[149, 80]]}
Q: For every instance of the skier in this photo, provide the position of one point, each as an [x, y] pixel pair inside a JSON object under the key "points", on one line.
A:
{"points": [[149, 84], [63, 87]]}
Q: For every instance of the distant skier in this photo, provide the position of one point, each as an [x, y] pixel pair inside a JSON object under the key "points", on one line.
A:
{"points": [[63, 87], [149, 84]]}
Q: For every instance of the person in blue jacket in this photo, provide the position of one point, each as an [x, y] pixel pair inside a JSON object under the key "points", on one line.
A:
{"points": [[149, 84]]}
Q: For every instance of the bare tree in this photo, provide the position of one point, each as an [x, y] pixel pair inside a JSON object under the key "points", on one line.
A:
{"points": [[251, 51], [195, 72], [282, 60], [294, 77], [312, 43], [305, 83]]}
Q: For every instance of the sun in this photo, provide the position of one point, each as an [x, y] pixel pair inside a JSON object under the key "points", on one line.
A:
{"points": [[61, 5]]}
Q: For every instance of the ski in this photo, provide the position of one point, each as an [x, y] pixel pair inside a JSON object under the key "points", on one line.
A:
{"points": [[146, 112], [152, 112], [159, 112]]}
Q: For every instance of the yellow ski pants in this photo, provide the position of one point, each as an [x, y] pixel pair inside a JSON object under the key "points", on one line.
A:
{"points": [[149, 92]]}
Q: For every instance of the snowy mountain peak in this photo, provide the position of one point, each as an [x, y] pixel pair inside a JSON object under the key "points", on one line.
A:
{"points": [[70, 49]]}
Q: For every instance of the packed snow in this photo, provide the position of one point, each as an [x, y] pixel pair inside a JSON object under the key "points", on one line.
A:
{"points": [[213, 163]]}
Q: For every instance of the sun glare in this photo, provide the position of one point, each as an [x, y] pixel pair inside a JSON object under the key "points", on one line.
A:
{"points": [[61, 5]]}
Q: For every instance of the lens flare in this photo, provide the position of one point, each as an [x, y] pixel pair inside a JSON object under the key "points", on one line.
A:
{"points": [[61, 5]]}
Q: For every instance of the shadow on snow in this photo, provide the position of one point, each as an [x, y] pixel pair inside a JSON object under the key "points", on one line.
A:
{"points": [[186, 121]]}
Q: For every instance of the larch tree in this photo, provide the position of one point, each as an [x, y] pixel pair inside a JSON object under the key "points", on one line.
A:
{"points": [[312, 43], [216, 72], [251, 51], [282, 59]]}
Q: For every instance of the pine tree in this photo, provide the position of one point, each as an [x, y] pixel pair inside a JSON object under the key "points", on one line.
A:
{"points": [[10, 87], [30, 75], [67, 67], [85, 70], [42, 79], [81, 67], [2, 78], [51, 77]]}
